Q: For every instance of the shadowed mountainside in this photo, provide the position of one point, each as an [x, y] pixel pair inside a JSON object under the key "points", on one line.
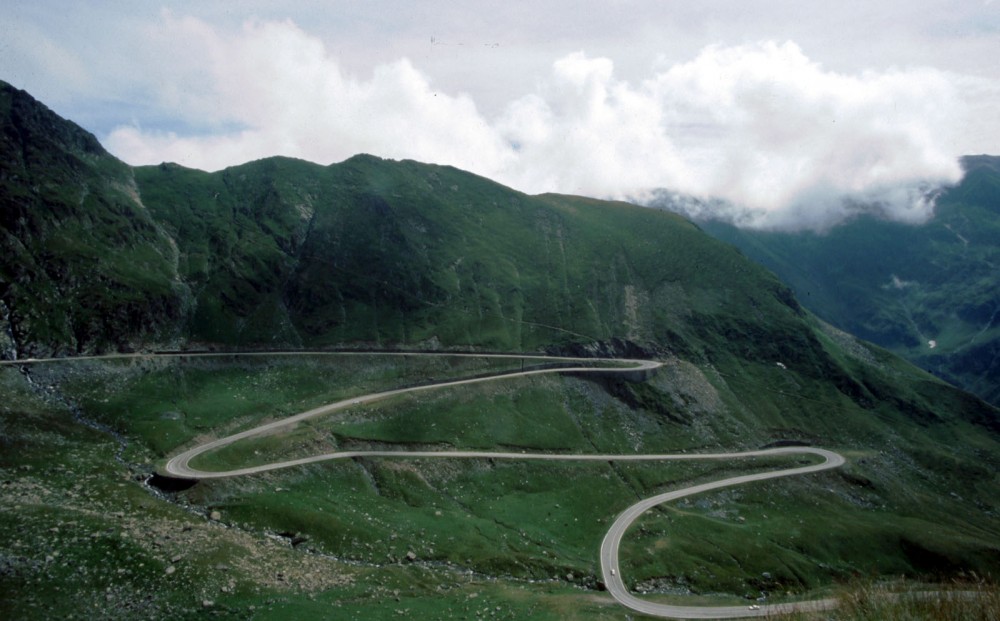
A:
{"points": [[85, 266]]}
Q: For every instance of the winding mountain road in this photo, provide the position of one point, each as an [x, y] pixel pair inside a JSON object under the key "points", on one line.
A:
{"points": [[180, 466], [612, 541]]}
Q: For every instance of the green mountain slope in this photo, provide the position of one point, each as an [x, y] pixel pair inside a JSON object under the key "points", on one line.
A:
{"points": [[930, 293], [85, 267], [377, 254], [400, 253], [366, 252]]}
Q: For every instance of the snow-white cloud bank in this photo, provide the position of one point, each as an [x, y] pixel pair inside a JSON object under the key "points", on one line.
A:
{"points": [[782, 141]]}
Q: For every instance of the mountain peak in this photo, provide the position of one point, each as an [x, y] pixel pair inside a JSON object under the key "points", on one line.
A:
{"points": [[28, 125]]}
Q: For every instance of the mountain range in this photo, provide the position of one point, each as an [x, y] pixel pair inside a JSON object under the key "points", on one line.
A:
{"points": [[373, 255], [101, 257]]}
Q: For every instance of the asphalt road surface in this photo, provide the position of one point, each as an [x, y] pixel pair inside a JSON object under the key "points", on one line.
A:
{"points": [[179, 466], [612, 541]]}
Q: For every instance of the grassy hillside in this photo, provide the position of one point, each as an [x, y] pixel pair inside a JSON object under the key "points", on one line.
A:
{"points": [[928, 292], [400, 253], [506, 539]]}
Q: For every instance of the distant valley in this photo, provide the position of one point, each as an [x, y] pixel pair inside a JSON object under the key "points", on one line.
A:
{"points": [[928, 292]]}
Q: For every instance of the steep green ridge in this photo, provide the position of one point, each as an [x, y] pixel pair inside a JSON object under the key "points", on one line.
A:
{"points": [[371, 253], [85, 267], [904, 286]]}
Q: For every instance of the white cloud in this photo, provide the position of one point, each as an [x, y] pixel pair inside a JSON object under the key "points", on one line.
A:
{"points": [[784, 142], [788, 142], [588, 133], [286, 96]]}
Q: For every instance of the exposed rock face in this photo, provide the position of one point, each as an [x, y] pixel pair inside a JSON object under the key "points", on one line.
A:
{"points": [[8, 347]]}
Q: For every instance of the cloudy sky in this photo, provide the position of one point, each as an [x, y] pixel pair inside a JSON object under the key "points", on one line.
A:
{"points": [[793, 113]]}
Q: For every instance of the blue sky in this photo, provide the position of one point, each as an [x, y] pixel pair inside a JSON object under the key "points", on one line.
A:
{"points": [[787, 110]]}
